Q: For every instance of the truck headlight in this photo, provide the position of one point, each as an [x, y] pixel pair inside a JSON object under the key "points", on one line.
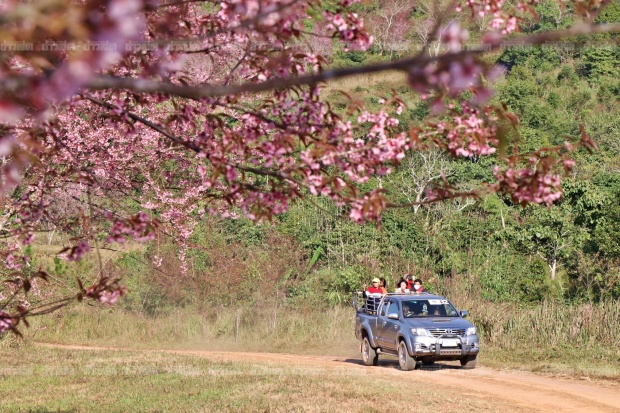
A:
{"points": [[470, 331], [419, 332]]}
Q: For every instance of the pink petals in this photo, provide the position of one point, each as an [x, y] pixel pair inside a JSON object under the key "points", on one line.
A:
{"points": [[501, 20], [105, 291], [525, 185], [6, 322], [139, 227], [469, 134], [78, 251]]}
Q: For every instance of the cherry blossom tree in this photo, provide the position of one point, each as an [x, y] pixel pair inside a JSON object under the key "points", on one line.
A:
{"points": [[145, 115], [389, 24], [425, 26]]}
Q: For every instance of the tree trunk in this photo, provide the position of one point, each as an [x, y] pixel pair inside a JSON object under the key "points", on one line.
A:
{"points": [[554, 260]]}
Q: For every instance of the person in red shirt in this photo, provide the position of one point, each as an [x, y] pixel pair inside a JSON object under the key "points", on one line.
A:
{"points": [[417, 286], [409, 279], [375, 288], [373, 296]]}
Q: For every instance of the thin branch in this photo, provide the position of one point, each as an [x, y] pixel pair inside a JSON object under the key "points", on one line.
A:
{"points": [[456, 195], [150, 124], [140, 261], [541, 256]]}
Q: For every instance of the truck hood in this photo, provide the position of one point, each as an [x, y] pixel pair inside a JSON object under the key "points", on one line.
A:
{"points": [[438, 322]]}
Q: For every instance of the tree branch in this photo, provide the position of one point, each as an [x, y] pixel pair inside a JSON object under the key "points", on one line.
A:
{"points": [[197, 93]]}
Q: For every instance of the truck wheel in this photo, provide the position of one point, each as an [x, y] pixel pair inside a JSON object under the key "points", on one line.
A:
{"points": [[405, 361], [369, 354], [469, 362]]}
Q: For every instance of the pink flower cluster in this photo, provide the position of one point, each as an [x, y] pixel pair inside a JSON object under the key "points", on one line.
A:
{"points": [[349, 28], [502, 21], [6, 322], [139, 227], [357, 158], [110, 297], [260, 13], [78, 251], [104, 292], [469, 134], [370, 207], [529, 186], [113, 25], [454, 36], [14, 263]]}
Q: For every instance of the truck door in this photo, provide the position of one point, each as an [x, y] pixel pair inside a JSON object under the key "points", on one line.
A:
{"points": [[388, 329]]}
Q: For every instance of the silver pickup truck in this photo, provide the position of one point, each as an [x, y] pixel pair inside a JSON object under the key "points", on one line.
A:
{"points": [[415, 327]]}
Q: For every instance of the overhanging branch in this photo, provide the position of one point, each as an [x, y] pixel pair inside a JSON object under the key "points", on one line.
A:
{"points": [[210, 91]]}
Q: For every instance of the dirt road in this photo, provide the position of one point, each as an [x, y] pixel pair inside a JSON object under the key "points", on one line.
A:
{"points": [[509, 389]]}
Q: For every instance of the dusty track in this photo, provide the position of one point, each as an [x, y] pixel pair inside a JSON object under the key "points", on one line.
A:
{"points": [[509, 389]]}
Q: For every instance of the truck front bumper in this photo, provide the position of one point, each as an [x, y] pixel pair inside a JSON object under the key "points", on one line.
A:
{"points": [[444, 346]]}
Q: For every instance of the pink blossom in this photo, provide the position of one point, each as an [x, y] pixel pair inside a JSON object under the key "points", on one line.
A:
{"points": [[454, 36], [78, 251], [157, 261], [6, 322], [569, 163], [110, 297], [526, 185], [231, 173], [29, 239], [10, 112]]}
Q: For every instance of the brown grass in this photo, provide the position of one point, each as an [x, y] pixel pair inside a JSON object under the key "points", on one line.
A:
{"points": [[38, 379], [389, 79]]}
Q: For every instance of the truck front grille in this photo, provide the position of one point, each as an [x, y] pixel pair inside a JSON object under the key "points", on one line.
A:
{"points": [[436, 332]]}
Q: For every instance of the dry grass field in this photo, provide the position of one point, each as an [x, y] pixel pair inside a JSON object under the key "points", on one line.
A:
{"points": [[36, 379]]}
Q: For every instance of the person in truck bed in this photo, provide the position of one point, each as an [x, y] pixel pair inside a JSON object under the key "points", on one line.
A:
{"points": [[382, 285], [417, 286], [373, 296], [402, 287], [375, 288]]}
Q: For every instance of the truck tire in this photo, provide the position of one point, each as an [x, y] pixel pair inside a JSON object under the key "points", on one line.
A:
{"points": [[469, 362], [369, 354], [405, 361]]}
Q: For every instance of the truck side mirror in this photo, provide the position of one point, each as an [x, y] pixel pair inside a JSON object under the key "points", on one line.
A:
{"points": [[464, 313], [393, 316]]}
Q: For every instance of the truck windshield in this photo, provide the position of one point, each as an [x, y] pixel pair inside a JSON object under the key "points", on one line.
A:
{"points": [[428, 308]]}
